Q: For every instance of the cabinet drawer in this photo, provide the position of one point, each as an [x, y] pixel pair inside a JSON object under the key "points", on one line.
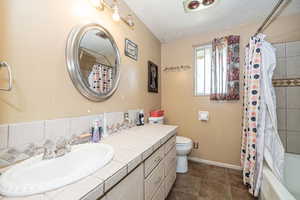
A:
{"points": [[170, 160], [153, 181], [154, 160], [170, 144], [169, 180], [160, 193]]}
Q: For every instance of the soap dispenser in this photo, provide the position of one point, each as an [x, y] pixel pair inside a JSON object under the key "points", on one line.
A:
{"points": [[96, 131]]}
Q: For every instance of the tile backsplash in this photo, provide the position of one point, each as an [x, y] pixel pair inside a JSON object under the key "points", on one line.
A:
{"points": [[23, 133], [37, 132], [288, 104], [3, 136]]}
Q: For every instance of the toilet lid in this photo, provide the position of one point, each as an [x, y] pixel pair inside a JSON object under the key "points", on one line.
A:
{"points": [[182, 140]]}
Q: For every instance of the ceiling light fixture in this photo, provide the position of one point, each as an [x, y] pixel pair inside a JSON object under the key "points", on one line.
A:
{"points": [[98, 4], [116, 16], [102, 4], [196, 5], [207, 2]]}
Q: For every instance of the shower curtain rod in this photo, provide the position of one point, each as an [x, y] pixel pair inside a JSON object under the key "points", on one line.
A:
{"points": [[261, 28]]}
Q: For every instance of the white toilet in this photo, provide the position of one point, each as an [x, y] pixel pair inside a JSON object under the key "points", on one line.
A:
{"points": [[183, 148]]}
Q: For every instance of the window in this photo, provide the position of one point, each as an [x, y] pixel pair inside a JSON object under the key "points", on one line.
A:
{"points": [[203, 70]]}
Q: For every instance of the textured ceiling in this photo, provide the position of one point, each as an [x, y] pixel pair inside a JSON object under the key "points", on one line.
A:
{"points": [[168, 21]]}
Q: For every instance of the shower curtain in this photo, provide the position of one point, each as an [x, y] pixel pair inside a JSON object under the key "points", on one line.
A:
{"points": [[101, 78], [260, 137]]}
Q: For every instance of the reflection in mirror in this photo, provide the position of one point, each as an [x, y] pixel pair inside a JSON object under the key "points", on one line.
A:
{"points": [[97, 60], [93, 61]]}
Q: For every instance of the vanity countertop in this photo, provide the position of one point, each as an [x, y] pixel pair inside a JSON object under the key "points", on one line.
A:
{"points": [[131, 146]]}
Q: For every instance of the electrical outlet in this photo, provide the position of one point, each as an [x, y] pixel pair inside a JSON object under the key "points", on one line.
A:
{"points": [[196, 145]]}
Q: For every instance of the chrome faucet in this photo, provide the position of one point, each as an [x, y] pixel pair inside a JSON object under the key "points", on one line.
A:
{"points": [[59, 149], [62, 147], [49, 150]]}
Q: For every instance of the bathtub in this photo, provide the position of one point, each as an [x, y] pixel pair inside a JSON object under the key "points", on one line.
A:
{"points": [[273, 189]]}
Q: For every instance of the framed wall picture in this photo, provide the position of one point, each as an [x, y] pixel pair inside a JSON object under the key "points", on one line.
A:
{"points": [[131, 49], [152, 77]]}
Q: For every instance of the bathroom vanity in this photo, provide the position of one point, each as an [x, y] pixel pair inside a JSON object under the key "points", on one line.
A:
{"points": [[143, 168]]}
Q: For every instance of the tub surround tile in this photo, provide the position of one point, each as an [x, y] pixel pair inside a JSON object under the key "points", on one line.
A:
{"points": [[280, 97], [280, 50], [55, 129], [280, 70], [293, 141], [293, 94], [24, 133], [293, 116], [293, 49], [283, 138], [3, 136], [292, 67], [281, 119]]}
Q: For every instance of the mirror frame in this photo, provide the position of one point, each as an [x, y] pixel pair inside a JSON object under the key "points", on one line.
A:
{"points": [[72, 59]]}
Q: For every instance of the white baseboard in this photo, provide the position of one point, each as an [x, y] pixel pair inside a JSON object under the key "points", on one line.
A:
{"points": [[219, 164]]}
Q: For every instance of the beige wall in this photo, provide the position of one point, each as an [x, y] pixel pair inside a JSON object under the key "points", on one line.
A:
{"points": [[33, 38], [220, 137]]}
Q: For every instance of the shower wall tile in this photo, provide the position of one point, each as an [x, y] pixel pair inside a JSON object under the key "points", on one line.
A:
{"points": [[293, 49], [280, 97], [283, 137], [293, 98], [281, 119], [293, 142], [293, 67], [280, 50], [280, 70], [24, 133], [3, 136], [293, 120]]}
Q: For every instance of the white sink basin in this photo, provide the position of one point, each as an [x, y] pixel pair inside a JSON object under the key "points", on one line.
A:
{"points": [[35, 175]]}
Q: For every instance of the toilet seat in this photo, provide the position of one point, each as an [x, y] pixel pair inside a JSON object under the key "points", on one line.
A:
{"points": [[183, 140]]}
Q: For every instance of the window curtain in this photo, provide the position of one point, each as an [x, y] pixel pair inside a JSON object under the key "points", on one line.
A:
{"points": [[225, 68]]}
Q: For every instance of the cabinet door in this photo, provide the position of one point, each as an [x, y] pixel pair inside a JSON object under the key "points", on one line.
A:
{"points": [[130, 188]]}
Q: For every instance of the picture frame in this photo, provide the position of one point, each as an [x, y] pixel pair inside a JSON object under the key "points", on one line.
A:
{"points": [[131, 49], [153, 74]]}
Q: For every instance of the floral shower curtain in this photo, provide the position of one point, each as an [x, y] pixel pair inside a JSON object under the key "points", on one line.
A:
{"points": [[225, 68]]}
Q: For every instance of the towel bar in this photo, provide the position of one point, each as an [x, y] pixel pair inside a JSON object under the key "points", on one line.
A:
{"points": [[5, 64]]}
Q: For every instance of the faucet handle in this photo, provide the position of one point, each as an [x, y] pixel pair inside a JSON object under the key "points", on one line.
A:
{"points": [[49, 150], [49, 144], [61, 143]]}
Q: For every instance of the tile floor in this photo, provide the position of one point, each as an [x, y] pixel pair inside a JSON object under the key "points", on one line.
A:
{"points": [[207, 182]]}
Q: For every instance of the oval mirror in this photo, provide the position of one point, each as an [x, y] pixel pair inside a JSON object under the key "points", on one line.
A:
{"points": [[93, 61]]}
